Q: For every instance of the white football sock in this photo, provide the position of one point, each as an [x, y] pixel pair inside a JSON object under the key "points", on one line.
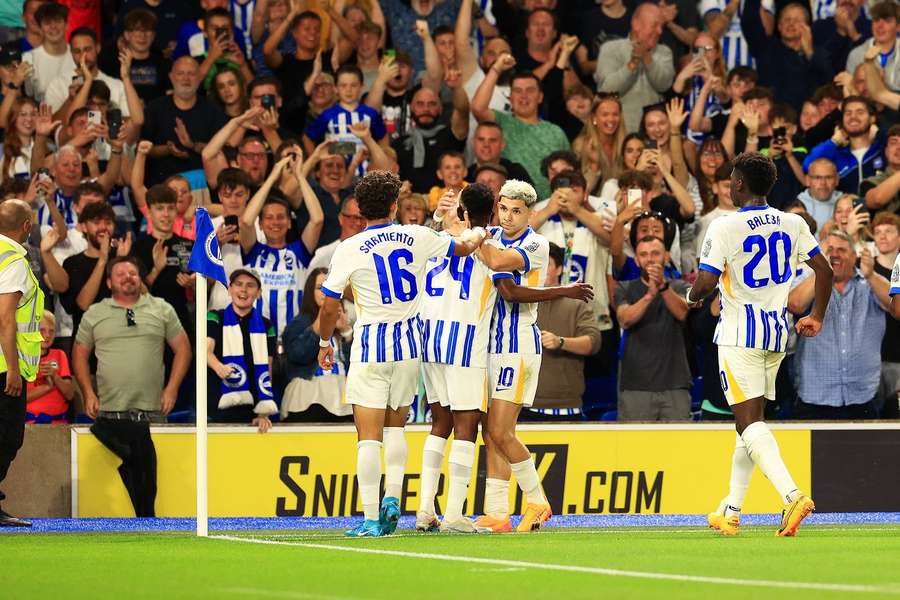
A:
{"points": [[368, 475], [496, 498], [741, 470], [529, 482], [763, 450], [462, 457], [395, 455], [432, 457]]}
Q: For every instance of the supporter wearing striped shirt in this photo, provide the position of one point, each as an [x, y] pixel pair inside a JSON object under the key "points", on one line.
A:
{"points": [[282, 265], [385, 267], [723, 20]]}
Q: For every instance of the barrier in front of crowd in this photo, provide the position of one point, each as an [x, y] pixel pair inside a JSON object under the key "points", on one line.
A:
{"points": [[586, 469]]}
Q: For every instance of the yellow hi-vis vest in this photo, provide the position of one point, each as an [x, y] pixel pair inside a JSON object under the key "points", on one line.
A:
{"points": [[28, 317]]}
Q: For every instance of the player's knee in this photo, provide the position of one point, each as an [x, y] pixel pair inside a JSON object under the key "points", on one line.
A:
{"points": [[441, 427]]}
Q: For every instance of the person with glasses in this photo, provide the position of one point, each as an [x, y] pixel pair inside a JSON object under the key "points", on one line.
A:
{"points": [[130, 393], [148, 66]]}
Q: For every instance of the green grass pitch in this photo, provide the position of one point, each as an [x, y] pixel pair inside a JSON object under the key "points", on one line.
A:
{"points": [[636, 562]]}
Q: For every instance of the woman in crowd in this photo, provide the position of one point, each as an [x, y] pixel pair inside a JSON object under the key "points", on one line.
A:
{"points": [[600, 143], [712, 156], [229, 92], [631, 149], [313, 395], [19, 139]]}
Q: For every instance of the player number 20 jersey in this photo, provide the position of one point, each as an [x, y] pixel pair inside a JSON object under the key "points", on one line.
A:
{"points": [[385, 265], [756, 251]]}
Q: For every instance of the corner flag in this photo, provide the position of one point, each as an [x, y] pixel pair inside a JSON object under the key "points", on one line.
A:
{"points": [[206, 257]]}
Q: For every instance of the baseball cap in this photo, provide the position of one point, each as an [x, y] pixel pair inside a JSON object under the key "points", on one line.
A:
{"points": [[248, 272]]}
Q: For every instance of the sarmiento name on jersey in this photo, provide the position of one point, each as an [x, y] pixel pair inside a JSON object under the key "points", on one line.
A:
{"points": [[386, 236]]}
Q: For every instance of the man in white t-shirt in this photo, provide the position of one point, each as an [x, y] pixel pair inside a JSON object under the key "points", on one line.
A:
{"points": [[63, 89], [52, 57]]}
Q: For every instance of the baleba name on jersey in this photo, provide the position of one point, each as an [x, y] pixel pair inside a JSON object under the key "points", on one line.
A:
{"points": [[384, 266], [456, 311], [513, 326], [756, 251]]}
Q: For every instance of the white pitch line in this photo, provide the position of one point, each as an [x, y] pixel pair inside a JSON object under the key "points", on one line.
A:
{"points": [[796, 585], [258, 592]]}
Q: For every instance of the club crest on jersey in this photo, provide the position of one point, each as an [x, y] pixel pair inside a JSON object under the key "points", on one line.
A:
{"points": [[532, 247], [577, 268], [707, 248], [237, 378]]}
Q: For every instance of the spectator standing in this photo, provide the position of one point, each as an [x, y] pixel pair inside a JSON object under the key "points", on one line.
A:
{"points": [[180, 125], [313, 394], [838, 34], [21, 308], [164, 256], [402, 17], [239, 388], [792, 64], [655, 379], [52, 57], [149, 68], [639, 68], [529, 138], [51, 392], [856, 148], [487, 147], [723, 19], [886, 230], [882, 190], [885, 18], [821, 193], [569, 333], [838, 371], [130, 393]]}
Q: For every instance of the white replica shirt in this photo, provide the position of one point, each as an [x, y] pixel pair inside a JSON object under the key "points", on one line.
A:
{"points": [[735, 50], [895, 278], [456, 311], [756, 251], [513, 328], [385, 267]]}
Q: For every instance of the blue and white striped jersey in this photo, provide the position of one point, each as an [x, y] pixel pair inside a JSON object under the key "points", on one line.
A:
{"points": [[283, 273], [513, 328], [64, 204], [735, 50], [385, 266], [456, 312], [242, 15], [757, 252]]}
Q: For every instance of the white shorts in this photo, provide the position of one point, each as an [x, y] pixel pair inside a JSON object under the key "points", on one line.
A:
{"points": [[460, 388], [746, 373], [389, 385], [514, 377]]}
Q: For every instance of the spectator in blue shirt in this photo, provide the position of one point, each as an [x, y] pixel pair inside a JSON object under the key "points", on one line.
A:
{"points": [[402, 16], [838, 371], [334, 123]]}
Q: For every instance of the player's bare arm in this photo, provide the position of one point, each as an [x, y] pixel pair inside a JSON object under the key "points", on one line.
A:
{"points": [[328, 315], [707, 281], [501, 259], [511, 292], [811, 325]]}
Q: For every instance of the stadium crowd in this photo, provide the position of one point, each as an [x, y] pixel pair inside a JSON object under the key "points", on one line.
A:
{"points": [[118, 126]]}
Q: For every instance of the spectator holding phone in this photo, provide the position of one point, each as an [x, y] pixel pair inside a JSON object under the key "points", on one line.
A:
{"points": [[49, 395], [223, 48]]}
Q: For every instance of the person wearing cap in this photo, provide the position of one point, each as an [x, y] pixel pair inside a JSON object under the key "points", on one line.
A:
{"points": [[125, 332], [53, 56], [239, 380]]}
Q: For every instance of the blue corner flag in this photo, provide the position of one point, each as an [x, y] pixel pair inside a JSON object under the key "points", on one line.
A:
{"points": [[206, 258]]}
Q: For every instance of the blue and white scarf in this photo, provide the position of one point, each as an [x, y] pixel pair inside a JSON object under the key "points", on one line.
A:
{"points": [[236, 387]]}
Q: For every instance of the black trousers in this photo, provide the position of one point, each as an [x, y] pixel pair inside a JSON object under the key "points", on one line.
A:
{"points": [[854, 412], [130, 441], [12, 427]]}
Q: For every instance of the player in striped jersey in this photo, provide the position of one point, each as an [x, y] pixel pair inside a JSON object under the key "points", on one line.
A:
{"points": [[895, 289], [514, 345], [752, 255], [456, 315], [384, 266], [282, 265]]}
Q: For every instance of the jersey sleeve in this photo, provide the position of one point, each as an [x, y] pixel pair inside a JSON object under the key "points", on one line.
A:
{"points": [[536, 253], [432, 243], [713, 253], [807, 246], [338, 273]]}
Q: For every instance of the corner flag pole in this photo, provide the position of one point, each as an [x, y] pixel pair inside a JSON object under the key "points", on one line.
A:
{"points": [[202, 500]]}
